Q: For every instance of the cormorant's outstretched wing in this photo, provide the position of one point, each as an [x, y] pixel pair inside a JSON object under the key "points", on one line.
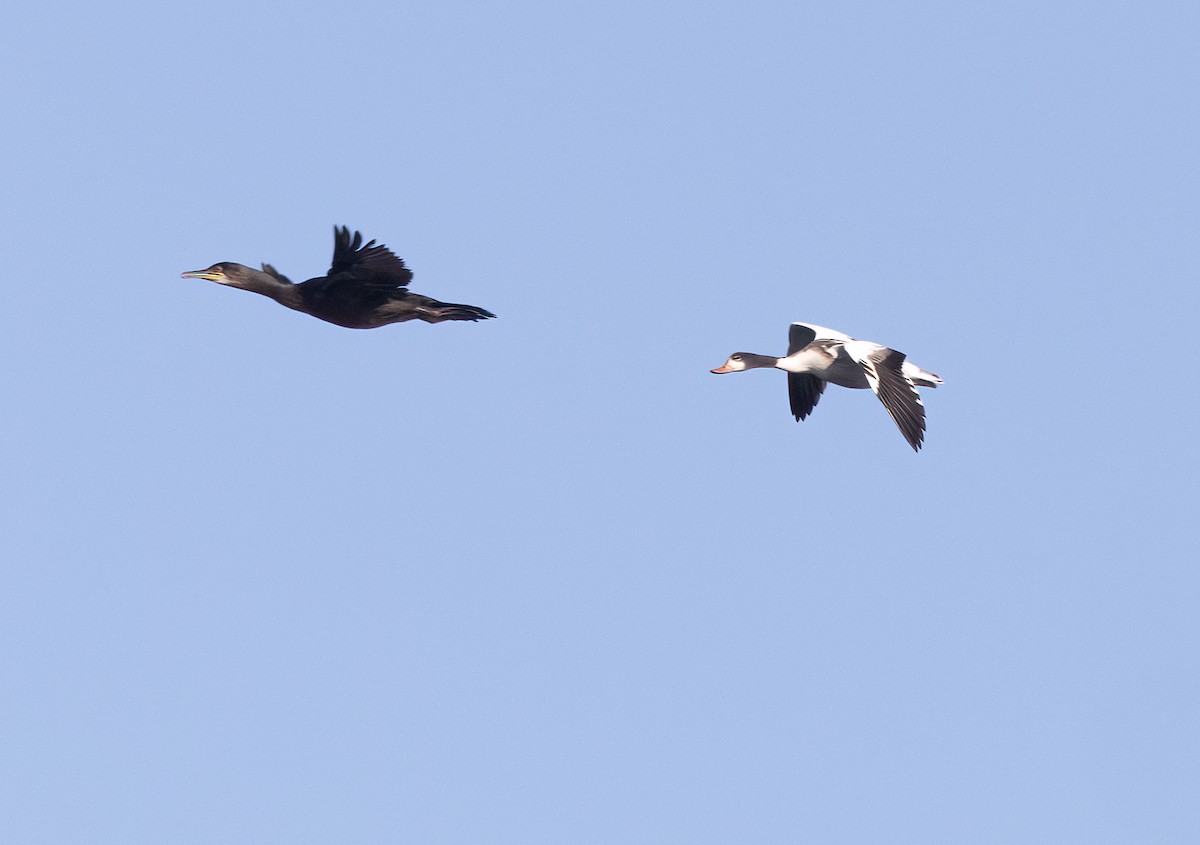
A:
{"points": [[804, 391], [885, 374], [267, 268], [370, 265]]}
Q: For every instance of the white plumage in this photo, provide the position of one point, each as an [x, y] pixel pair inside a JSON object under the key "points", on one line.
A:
{"points": [[817, 356]]}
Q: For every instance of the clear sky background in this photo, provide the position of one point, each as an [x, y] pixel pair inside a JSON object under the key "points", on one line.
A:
{"points": [[544, 578]]}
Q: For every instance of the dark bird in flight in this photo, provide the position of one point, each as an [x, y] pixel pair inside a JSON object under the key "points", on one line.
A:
{"points": [[366, 287], [818, 356]]}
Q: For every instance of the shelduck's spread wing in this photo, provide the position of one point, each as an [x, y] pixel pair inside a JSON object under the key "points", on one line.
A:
{"points": [[883, 368], [804, 391], [801, 335]]}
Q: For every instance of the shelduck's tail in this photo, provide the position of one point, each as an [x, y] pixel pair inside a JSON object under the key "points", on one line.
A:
{"points": [[921, 378]]}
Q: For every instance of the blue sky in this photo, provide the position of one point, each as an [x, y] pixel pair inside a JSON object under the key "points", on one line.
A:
{"points": [[544, 578]]}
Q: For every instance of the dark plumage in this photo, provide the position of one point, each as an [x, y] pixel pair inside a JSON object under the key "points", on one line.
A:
{"points": [[804, 392], [366, 287]]}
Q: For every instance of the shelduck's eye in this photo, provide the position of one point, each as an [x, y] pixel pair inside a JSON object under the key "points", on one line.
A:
{"points": [[736, 358]]}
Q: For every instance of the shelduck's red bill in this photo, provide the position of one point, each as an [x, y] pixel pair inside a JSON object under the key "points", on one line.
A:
{"points": [[724, 368]]}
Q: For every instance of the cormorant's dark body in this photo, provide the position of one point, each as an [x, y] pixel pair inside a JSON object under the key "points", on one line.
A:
{"points": [[366, 287]]}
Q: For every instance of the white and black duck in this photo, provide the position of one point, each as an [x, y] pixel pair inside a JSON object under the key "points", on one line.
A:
{"points": [[818, 356]]}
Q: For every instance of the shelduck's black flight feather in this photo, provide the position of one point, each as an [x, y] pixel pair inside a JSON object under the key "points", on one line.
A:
{"points": [[804, 392]]}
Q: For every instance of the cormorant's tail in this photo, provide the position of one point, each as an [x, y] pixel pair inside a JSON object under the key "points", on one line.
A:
{"points": [[436, 312]]}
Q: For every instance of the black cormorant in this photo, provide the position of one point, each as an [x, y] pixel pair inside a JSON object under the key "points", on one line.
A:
{"points": [[366, 287]]}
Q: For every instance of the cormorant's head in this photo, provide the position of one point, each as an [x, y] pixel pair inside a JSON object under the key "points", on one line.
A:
{"points": [[225, 273]]}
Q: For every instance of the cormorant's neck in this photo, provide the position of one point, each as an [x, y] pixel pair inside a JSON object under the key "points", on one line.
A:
{"points": [[284, 293]]}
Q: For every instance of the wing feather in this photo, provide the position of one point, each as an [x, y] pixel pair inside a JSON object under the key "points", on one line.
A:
{"points": [[801, 335], [804, 391], [883, 368], [371, 265], [267, 268]]}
